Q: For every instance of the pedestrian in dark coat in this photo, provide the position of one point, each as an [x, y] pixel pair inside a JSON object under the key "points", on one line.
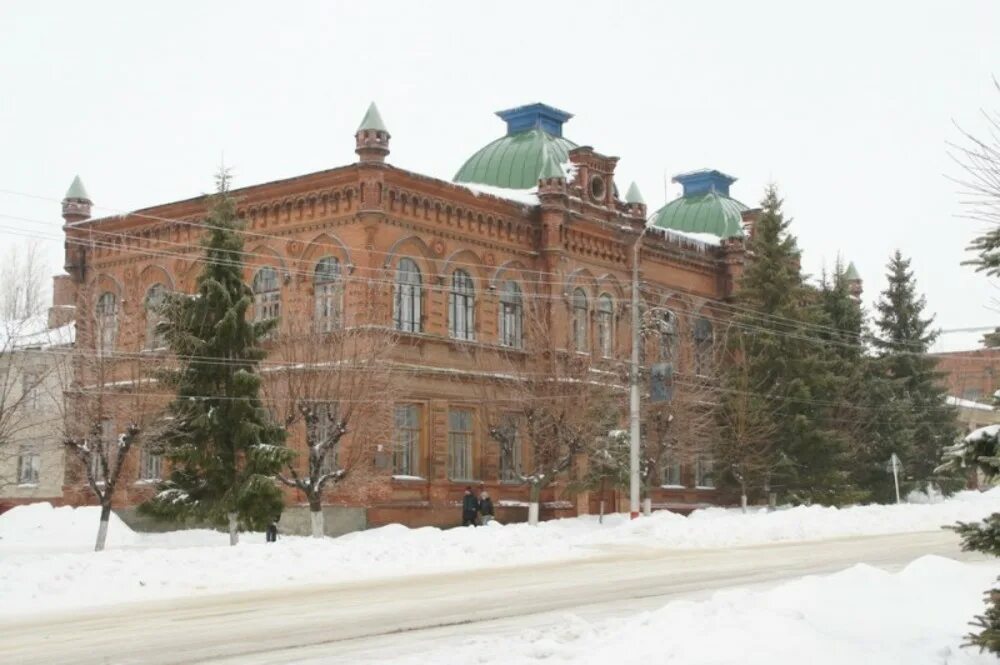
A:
{"points": [[470, 507], [485, 508], [271, 533]]}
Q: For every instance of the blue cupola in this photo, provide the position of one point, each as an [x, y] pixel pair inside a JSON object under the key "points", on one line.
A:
{"points": [[703, 181], [535, 116]]}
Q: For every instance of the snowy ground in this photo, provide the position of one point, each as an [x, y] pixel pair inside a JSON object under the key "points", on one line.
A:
{"points": [[45, 565], [917, 616]]}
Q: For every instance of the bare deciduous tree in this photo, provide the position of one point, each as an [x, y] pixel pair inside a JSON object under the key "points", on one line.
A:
{"points": [[334, 388], [556, 402]]}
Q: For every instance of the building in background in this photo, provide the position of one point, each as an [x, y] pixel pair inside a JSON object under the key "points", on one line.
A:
{"points": [[971, 375], [530, 217], [34, 373]]}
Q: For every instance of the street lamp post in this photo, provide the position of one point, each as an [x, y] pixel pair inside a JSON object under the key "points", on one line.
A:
{"points": [[633, 452]]}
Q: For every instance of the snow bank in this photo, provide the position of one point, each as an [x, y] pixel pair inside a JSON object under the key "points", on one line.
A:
{"points": [[39, 526], [41, 571], [860, 615]]}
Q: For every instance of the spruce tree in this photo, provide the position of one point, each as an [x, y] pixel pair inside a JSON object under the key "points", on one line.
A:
{"points": [[903, 339], [872, 415], [980, 450], [222, 446], [776, 332]]}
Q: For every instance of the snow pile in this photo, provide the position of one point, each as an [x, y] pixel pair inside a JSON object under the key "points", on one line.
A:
{"points": [[860, 615], [45, 562], [39, 526], [724, 527]]}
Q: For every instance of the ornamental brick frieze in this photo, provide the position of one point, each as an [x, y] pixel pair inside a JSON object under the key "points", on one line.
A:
{"points": [[460, 239]]}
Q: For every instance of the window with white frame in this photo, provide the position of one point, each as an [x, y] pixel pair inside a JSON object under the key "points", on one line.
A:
{"points": [[407, 444], [511, 315], [605, 325], [106, 320], [150, 464], [29, 465], [704, 340], [31, 388], [668, 336], [327, 294], [460, 438], [461, 306], [579, 319], [407, 301], [266, 295], [703, 474], [155, 299]]}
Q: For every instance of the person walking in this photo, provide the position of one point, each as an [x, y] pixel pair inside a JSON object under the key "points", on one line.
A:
{"points": [[485, 508], [271, 533], [470, 508]]}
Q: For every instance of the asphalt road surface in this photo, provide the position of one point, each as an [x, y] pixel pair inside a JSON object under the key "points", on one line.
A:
{"points": [[352, 622]]}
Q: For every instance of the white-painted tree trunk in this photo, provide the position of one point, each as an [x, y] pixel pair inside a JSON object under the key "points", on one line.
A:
{"points": [[102, 530], [600, 519], [647, 506], [318, 521], [234, 534], [743, 502], [533, 513]]}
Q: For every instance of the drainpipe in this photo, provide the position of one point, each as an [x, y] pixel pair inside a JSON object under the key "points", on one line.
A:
{"points": [[633, 457]]}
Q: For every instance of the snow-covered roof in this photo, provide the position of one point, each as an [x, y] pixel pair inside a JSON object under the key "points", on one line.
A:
{"points": [[34, 332]]}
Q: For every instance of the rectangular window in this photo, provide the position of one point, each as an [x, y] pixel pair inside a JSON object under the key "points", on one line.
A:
{"points": [[31, 380], [406, 451], [29, 465], [671, 473], [460, 444], [510, 324], [322, 430], [150, 465], [108, 444], [510, 450], [703, 474]]}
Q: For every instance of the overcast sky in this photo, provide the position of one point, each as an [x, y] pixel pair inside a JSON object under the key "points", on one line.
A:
{"points": [[847, 106]]}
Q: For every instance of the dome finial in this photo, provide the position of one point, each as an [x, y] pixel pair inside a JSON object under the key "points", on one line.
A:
{"points": [[372, 138]]}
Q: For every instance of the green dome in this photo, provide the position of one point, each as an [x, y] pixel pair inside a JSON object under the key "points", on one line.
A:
{"points": [[705, 206], [515, 161]]}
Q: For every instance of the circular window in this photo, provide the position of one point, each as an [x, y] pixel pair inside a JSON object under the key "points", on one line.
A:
{"points": [[597, 188]]}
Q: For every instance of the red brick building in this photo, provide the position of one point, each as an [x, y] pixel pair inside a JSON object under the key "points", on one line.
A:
{"points": [[531, 215], [971, 375]]}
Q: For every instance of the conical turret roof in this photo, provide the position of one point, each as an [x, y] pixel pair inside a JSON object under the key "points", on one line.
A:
{"points": [[851, 274], [372, 120], [77, 190], [633, 195]]}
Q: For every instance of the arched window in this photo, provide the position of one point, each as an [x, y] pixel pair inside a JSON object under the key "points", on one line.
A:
{"points": [[406, 308], [704, 340], [579, 320], [327, 292], [668, 336], [155, 299], [106, 321], [266, 295], [461, 306], [511, 315], [605, 325]]}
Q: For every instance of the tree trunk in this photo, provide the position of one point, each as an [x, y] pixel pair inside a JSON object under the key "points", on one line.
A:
{"points": [[102, 530], [317, 519], [647, 506], [234, 534], [743, 496], [536, 492]]}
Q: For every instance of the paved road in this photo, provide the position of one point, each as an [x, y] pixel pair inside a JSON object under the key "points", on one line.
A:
{"points": [[344, 622]]}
